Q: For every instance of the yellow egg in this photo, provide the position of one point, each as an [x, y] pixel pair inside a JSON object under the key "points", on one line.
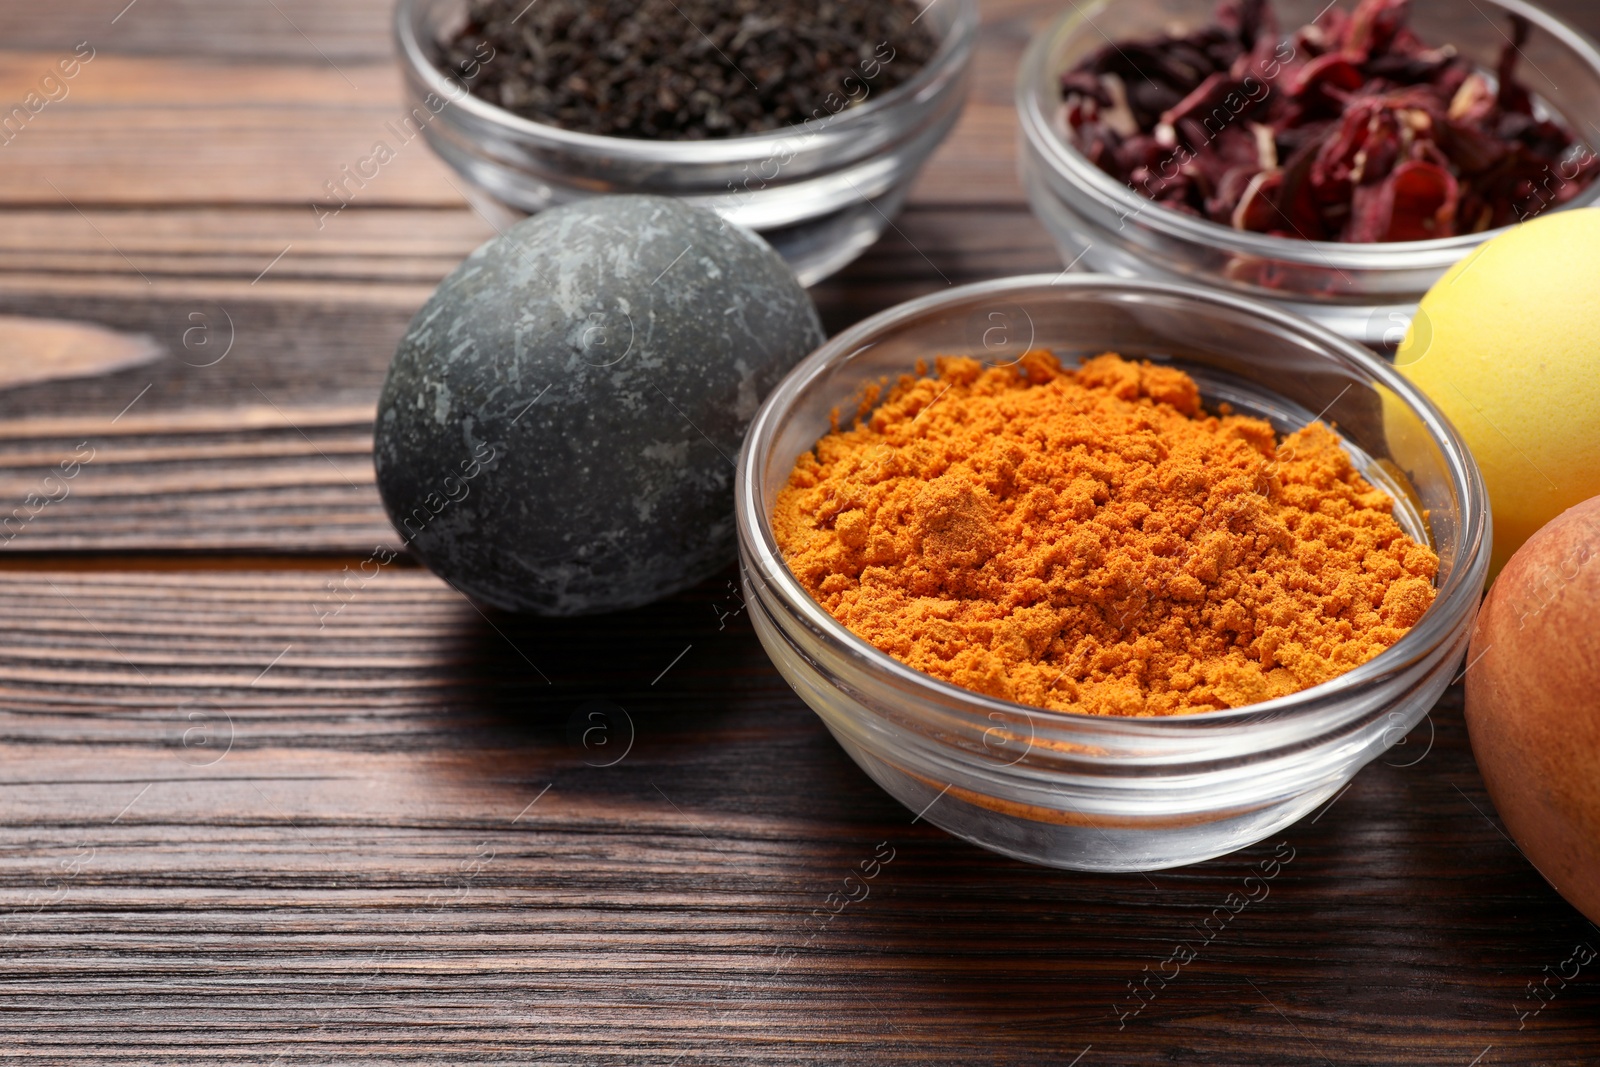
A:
{"points": [[1507, 344]]}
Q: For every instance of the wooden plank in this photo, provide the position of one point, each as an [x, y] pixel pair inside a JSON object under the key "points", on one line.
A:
{"points": [[349, 867], [291, 30], [134, 132], [401, 249], [261, 478], [365, 245], [267, 448], [318, 347], [140, 131], [393, 257]]}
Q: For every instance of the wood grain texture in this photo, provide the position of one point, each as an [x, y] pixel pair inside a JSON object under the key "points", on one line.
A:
{"points": [[288, 31], [239, 825], [341, 863], [185, 131], [394, 257], [260, 478], [396, 248], [34, 350], [253, 431]]}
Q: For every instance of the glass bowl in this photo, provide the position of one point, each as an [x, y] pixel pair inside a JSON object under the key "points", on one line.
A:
{"points": [[1120, 794], [820, 192], [1366, 292]]}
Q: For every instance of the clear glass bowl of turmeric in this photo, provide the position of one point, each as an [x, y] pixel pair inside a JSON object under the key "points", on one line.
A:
{"points": [[1118, 792]]}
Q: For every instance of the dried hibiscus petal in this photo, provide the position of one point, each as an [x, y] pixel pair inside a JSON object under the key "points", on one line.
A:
{"points": [[1513, 97], [1417, 202], [1332, 69], [1351, 128], [1303, 211], [1257, 208], [1372, 28]]}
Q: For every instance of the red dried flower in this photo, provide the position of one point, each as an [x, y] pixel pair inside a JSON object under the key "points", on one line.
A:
{"points": [[1350, 129]]}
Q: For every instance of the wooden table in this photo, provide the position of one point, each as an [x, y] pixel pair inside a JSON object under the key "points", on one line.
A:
{"points": [[238, 827]]}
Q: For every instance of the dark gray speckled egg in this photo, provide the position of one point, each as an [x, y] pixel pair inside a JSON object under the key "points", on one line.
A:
{"points": [[559, 426]]}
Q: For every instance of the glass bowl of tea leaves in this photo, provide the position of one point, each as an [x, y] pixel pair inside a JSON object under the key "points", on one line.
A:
{"points": [[818, 169], [1333, 159]]}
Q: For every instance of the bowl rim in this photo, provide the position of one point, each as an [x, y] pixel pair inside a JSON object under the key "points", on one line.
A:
{"points": [[1065, 160], [1454, 601], [953, 54]]}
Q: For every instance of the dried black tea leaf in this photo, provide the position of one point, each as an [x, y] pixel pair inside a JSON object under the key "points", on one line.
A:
{"points": [[686, 69]]}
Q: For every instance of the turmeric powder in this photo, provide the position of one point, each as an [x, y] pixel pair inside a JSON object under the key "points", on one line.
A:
{"points": [[1090, 540]]}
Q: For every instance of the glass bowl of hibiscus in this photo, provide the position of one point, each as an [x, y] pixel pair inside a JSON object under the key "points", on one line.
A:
{"points": [[1334, 159]]}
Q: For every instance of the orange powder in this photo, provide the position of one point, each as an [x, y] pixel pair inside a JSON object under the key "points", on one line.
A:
{"points": [[1089, 540]]}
